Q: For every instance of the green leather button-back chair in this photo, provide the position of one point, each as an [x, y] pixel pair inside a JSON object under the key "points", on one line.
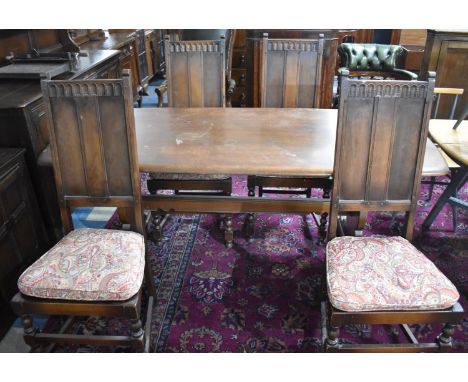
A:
{"points": [[373, 60]]}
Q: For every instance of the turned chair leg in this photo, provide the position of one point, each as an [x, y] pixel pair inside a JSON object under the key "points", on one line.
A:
{"points": [[228, 232], [137, 334], [29, 331], [156, 232], [322, 230], [332, 341], [250, 223], [444, 339]]}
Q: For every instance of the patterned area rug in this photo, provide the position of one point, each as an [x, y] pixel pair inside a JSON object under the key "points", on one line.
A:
{"points": [[264, 296]]}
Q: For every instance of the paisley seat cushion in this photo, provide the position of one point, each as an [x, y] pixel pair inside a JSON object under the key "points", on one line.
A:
{"points": [[384, 273], [88, 264]]}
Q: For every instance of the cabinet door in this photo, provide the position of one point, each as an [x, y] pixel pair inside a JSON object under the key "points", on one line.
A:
{"points": [[38, 126], [452, 72], [149, 55], [129, 61], [140, 52], [19, 244]]}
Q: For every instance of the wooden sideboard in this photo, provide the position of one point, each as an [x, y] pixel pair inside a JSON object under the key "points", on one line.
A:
{"points": [[446, 53], [22, 234], [125, 42], [23, 121]]}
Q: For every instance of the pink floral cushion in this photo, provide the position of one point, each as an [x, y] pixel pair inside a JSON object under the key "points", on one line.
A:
{"points": [[88, 264], [384, 273]]}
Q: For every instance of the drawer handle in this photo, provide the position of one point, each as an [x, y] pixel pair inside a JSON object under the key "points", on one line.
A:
{"points": [[242, 79], [242, 60]]}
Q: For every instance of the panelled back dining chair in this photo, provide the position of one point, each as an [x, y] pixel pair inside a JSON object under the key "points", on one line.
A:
{"points": [[90, 271], [195, 78], [290, 78], [213, 34], [381, 136], [291, 72], [195, 72]]}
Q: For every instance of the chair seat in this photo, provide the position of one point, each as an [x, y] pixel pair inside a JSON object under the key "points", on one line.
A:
{"points": [[176, 176], [384, 273], [89, 265]]}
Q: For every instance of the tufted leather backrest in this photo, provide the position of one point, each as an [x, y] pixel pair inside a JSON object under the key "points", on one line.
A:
{"points": [[376, 57]]}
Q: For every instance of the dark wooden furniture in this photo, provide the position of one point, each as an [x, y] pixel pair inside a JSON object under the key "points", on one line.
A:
{"points": [[142, 59], [157, 46], [446, 53], [195, 78], [253, 81], [222, 142], [389, 119], [381, 134], [291, 77], [215, 34], [22, 233], [125, 42], [95, 163], [454, 142], [22, 111], [195, 73], [291, 72]]}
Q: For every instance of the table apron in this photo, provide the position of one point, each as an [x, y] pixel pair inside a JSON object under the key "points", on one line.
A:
{"points": [[233, 204]]}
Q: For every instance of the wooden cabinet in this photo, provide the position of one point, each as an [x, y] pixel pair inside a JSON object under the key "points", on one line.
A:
{"points": [[157, 46], [239, 70], [23, 123], [142, 60], [149, 52], [446, 53], [22, 235]]}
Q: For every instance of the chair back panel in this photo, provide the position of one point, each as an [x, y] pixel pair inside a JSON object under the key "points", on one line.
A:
{"points": [[195, 73], [92, 137], [291, 72], [381, 135], [213, 34]]}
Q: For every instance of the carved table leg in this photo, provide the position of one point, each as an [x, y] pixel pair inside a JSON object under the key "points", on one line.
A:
{"points": [[322, 231], [250, 223], [332, 338], [445, 338], [228, 233]]}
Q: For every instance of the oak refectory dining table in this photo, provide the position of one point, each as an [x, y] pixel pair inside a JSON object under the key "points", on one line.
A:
{"points": [[242, 141]]}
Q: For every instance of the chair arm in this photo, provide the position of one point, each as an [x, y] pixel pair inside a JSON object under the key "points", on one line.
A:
{"points": [[231, 84], [406, 73]]}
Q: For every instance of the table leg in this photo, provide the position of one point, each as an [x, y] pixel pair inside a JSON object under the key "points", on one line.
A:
{"points": [[458, 179]]}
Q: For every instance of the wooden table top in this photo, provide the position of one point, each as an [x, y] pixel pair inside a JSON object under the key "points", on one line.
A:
{"points": [[453, 142], [237, 141]]}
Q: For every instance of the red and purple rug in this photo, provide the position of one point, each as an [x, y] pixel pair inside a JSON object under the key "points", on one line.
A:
{"points": [[264, 296]]}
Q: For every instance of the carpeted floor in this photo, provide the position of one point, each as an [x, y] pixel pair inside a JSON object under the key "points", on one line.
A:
{"points": [[265, 296]]}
